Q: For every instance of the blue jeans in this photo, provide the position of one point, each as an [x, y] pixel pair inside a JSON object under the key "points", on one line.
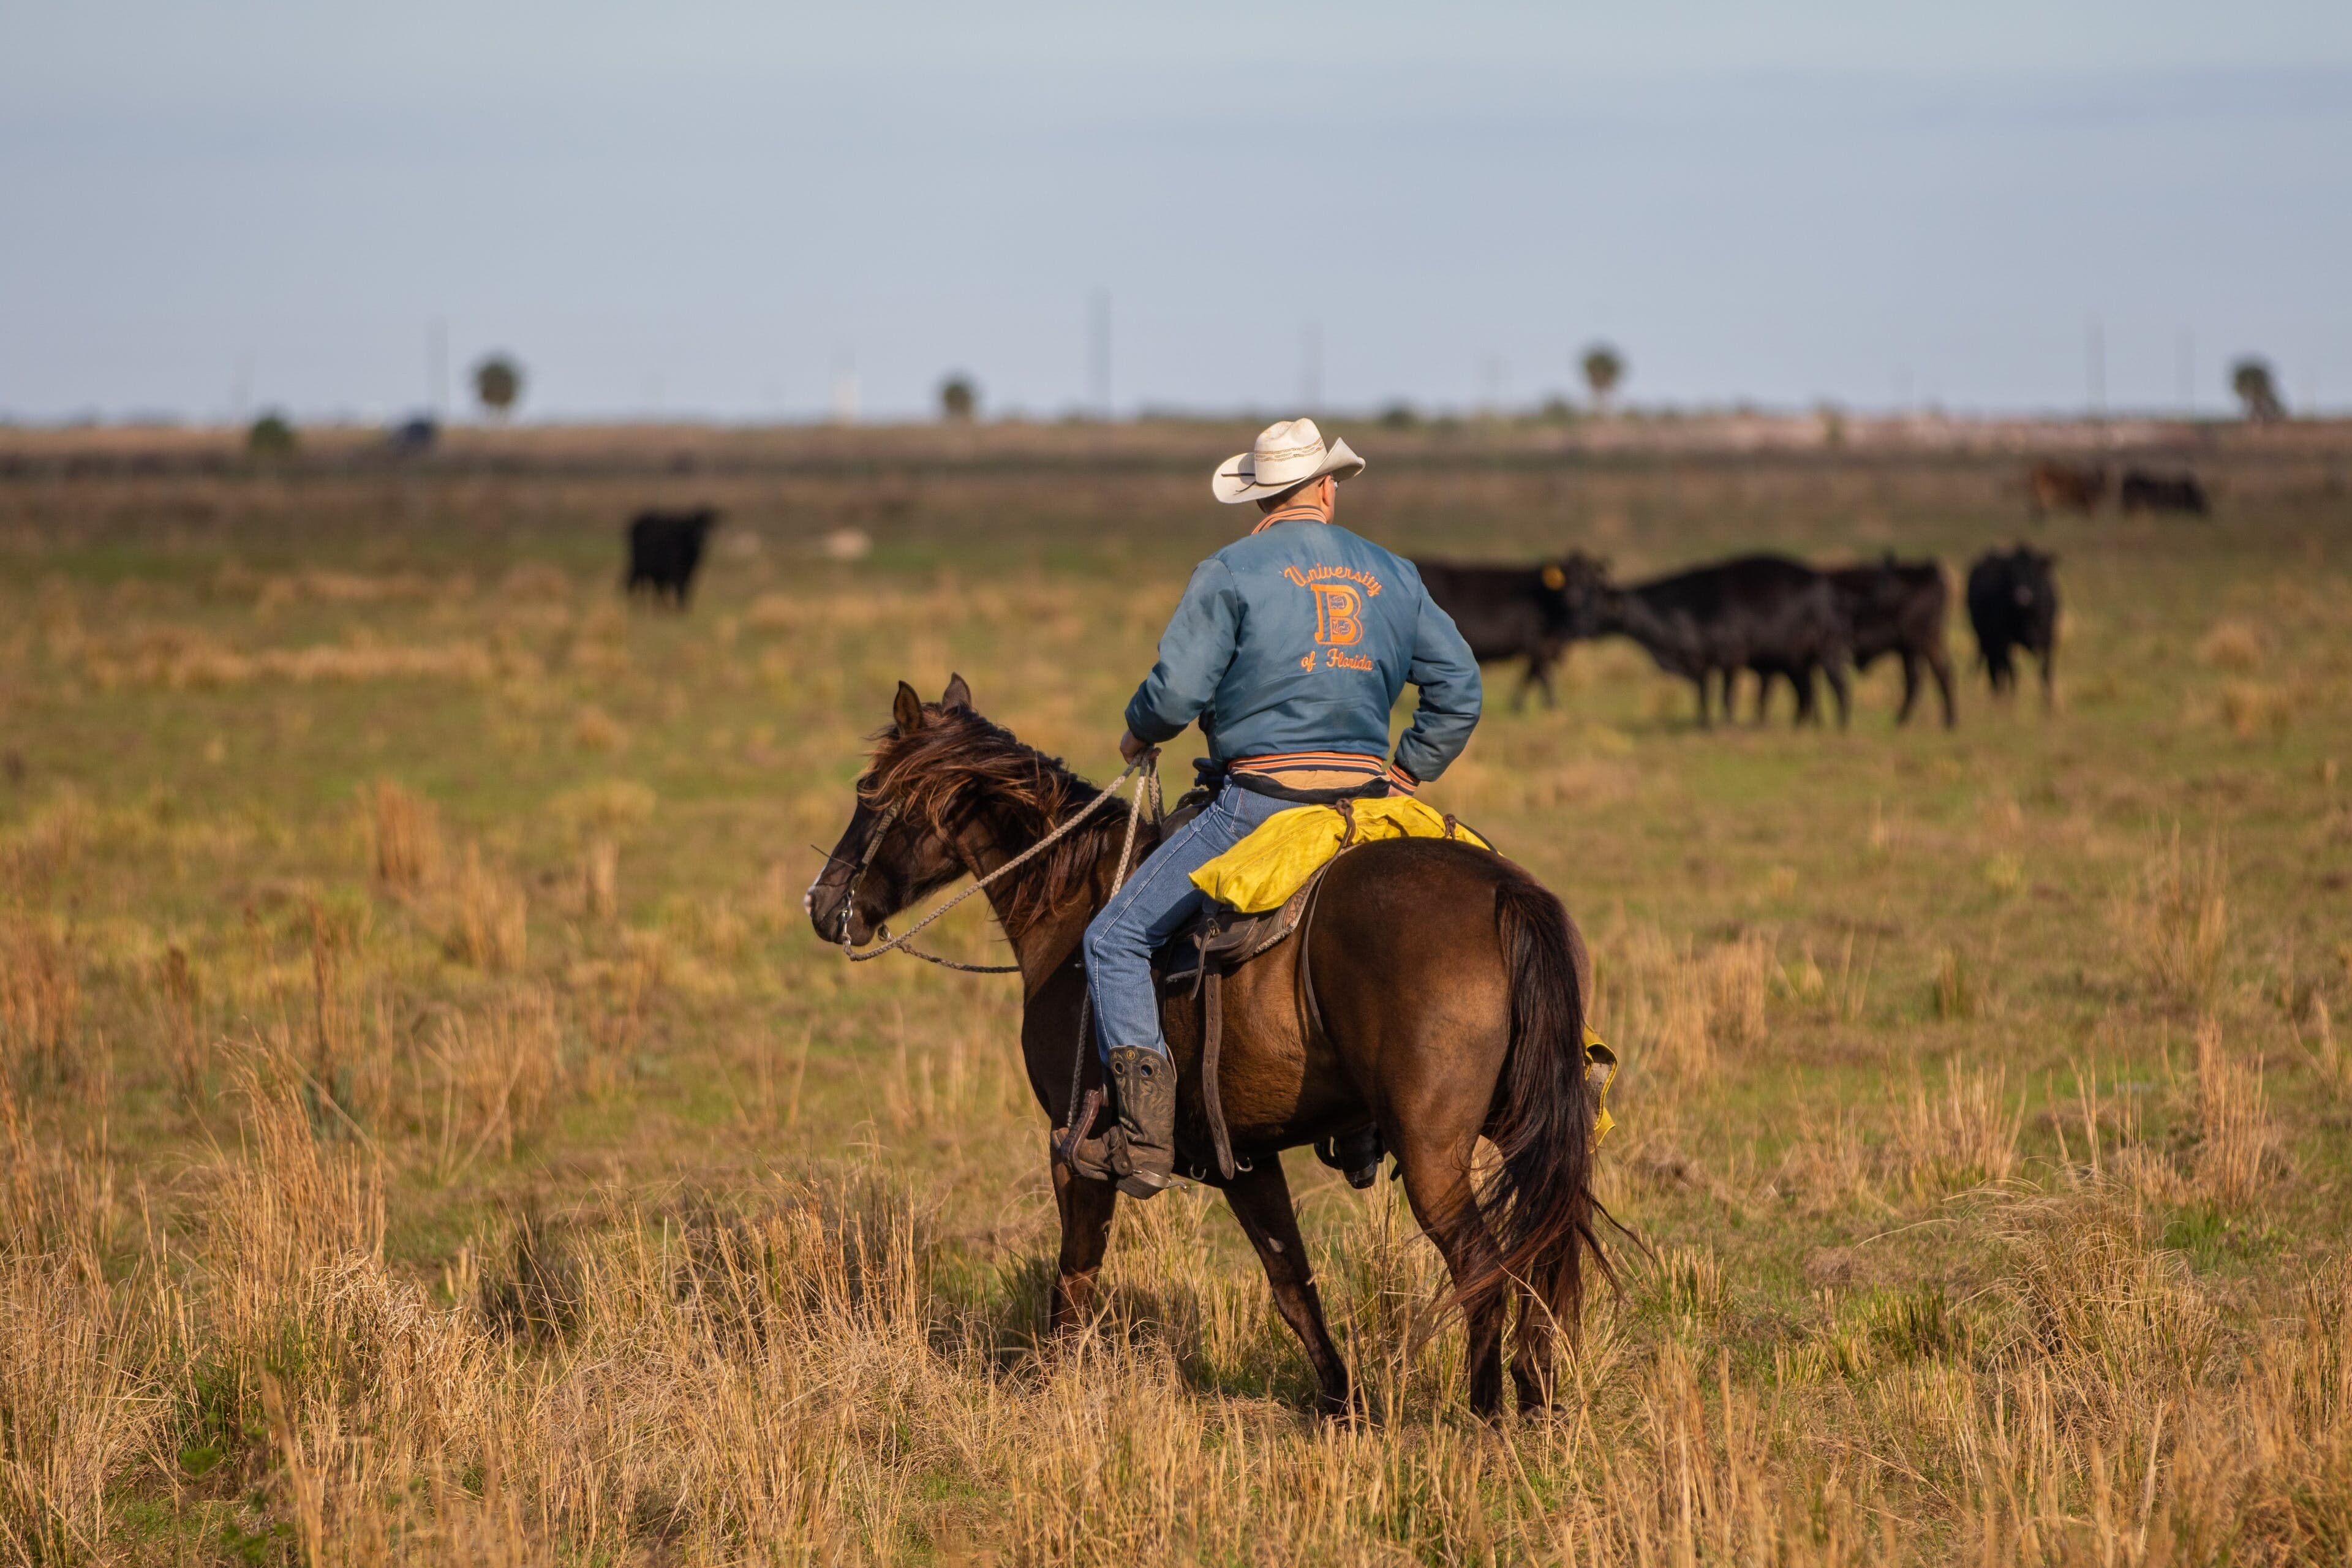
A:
{"points": [[1156, 903]]}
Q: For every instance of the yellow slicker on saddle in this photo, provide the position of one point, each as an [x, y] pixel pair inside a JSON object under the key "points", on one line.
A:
{"points": [[1263, 871]]}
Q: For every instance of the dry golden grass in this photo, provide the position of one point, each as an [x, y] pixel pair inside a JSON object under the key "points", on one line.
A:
{"points": [[407, 837], [492, 1166], [2176, 921], [2231, 645], [40, 1000], [1964, 1136], [487, 921], [2236, 1144]]}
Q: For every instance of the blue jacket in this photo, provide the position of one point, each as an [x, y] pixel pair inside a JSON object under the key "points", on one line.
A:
{"points": [[1293, 645]]}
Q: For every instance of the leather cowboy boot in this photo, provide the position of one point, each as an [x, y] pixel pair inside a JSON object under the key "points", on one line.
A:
{"points": [[1143, 1147]]}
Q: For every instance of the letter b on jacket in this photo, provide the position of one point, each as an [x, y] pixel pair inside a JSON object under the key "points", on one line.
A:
{"points": [[1338, 614]]}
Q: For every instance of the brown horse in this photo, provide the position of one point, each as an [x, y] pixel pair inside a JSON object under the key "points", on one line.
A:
{"points": [[1449, 990]]}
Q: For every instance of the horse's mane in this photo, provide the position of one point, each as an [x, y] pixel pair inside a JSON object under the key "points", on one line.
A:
{"points": [[959, 766]]}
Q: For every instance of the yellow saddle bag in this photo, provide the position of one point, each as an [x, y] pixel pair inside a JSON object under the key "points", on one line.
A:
{"points": [[1261, 871]]}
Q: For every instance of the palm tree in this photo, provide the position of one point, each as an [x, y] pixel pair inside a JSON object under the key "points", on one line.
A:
{"points": [[271, 435], [2250, 378], [1603, 369], [498, 381], [958, 399]]}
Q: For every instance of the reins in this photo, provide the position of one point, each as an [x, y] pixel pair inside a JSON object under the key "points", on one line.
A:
{"points": [[1144, 770]]}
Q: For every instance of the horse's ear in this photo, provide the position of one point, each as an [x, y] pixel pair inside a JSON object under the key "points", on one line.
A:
{"points": [[908, 709], [958, 696]]}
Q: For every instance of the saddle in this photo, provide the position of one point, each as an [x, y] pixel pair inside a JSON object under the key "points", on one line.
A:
{"points": [[1197, 961]]}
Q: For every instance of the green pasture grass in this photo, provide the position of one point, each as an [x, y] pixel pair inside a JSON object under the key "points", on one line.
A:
{"points": [[1908, 903]]}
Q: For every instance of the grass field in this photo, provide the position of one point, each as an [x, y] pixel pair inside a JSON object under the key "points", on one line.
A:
{"points": [[432, 1132]]}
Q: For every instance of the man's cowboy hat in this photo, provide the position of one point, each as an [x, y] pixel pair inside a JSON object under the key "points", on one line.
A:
{"points": [[1285, 456]]}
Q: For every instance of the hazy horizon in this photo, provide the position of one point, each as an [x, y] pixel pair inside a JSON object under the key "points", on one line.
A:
{"points": [[720, 212]]}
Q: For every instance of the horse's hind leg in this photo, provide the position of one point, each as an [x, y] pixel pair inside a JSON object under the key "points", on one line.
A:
{"points": [[1437, 1185], [1531, 1357], [1086, 1207], [1260, 1198]]}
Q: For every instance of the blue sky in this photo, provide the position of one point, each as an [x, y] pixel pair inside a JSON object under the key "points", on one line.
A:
{"points": [[720, 209]]}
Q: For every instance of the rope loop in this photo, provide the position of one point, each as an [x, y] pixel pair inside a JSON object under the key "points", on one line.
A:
{"points": [[1144, 771]]}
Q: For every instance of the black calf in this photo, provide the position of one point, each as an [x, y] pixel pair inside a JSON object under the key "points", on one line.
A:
{"points": [[2013, 603], [665, 549]]}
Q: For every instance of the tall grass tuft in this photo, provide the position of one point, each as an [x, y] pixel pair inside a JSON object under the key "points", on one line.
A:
{"points": [[406, 836], [2175, 920], [184, 1044], [1963, 1137], [495, 1073], [488, 925], [40, 1000], [2235, 1139], [77, 1405]]}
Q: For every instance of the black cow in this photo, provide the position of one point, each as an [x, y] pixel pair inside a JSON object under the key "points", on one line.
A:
{"points": [[2144, 491], [665, 549], [1506, 612], [1895, 607], [1750, 613], [2013, 603]]}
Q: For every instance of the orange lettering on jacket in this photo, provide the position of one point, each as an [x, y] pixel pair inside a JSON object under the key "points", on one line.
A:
{"points": [[1334, 659], [1338, 614], [1318, 574]]}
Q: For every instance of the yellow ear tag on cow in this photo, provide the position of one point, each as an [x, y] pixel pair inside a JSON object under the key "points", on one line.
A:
{"points": [[1554, 578], [1597, 1052]]}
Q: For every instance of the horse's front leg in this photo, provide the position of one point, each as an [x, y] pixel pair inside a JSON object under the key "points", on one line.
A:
{"points": [[1261, 1201], [1086, 1207]]}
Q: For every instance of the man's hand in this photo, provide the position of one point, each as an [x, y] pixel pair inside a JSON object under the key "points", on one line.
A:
{"points": [[1129, 748]]}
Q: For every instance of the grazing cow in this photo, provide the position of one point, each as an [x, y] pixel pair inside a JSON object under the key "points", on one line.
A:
{"points": [[2144, 491], [1715, 621], [2056, 486], [1506, 612], [2013, 603], [1894, 607], [665, 549]]}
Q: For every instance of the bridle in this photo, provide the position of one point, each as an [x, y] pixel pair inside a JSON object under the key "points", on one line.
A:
{"points": [[1147, 787]]}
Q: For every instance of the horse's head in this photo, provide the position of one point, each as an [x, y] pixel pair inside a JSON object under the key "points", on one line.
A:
{"points": [[899, 844]]}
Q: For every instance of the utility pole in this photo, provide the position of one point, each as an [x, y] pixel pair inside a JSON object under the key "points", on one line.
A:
{"points": [[1310, 368], [1098, 353]]}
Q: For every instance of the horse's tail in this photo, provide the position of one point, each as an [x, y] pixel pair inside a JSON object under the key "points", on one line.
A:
{"points": [[1538, 1204]]}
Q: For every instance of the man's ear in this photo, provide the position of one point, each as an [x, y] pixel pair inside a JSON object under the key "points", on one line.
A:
{"points": [[908, 709], [958, 696]]}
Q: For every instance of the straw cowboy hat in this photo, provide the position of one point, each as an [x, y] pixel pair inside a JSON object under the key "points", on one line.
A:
{"points": [[1286, 455]]}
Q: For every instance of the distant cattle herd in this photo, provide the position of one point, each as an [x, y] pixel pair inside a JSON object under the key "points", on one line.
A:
{"points": [[1764, 615], [2063, 486]]}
